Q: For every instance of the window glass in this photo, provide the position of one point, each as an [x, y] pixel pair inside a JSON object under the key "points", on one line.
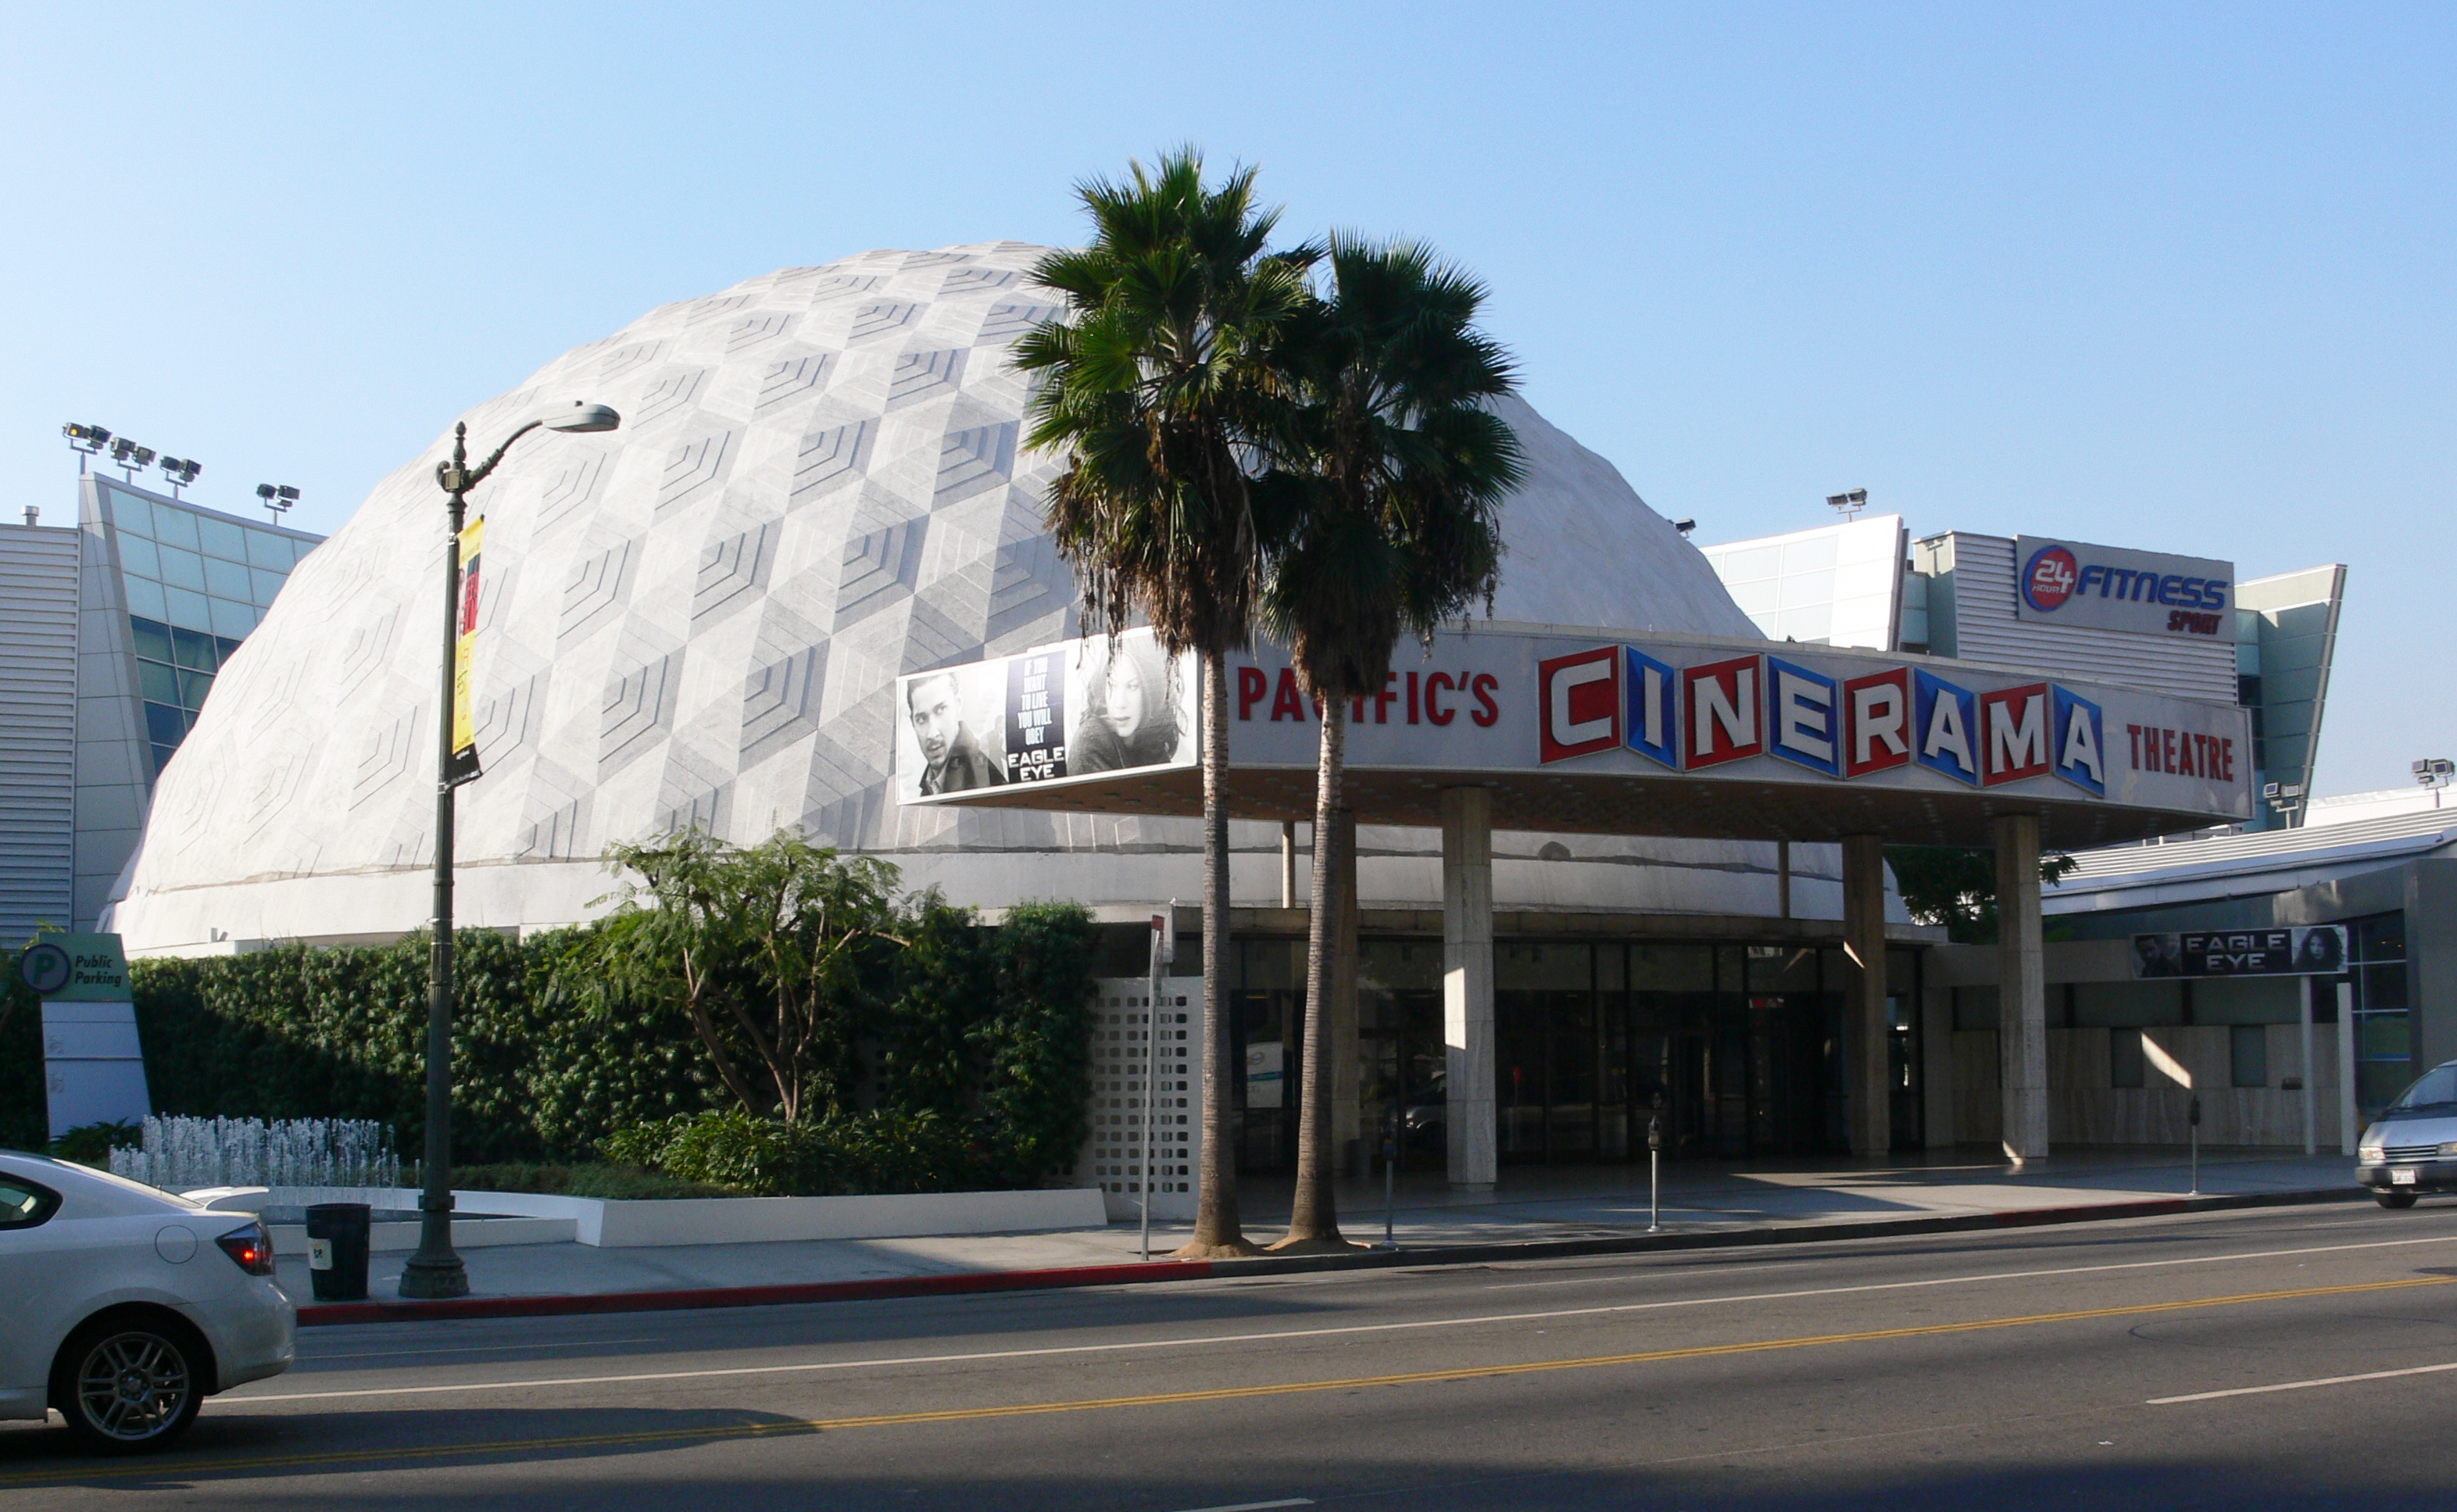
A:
{"points": [[2248, 1055], [187, 607], [265, 548], [192, 687], [162, 723], [1782, 968], [145, 597], [2433, 1088], [225, 646], [1539, 968], [1395, 966], [233, 620], [192, 649], [131, 513], [162, 757], [223, 539], [22, 1203], [187, 720], [2124, 1058], [137, 555], [228, 580], [181, 568], [158, 682], [177, 528], [1672, 968], [267, 582], [153, 638]]}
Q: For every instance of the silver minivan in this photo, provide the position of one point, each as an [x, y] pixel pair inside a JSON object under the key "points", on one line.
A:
{"points": [[2411, 1147]]}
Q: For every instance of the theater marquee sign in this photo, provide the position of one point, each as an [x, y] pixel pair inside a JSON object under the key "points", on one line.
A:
{"points": [[1490, 700], [1590, 731]]}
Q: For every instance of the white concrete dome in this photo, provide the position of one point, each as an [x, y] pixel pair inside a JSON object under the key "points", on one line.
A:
{"points": [[698, 618]]}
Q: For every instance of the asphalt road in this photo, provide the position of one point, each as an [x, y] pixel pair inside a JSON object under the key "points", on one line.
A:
{"points": [[2168, 1362]]}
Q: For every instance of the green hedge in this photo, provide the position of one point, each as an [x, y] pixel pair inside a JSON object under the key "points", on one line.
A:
{"points": [[973, 1041]]}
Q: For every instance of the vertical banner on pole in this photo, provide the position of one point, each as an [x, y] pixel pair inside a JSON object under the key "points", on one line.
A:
{"points": [[465, 730]]}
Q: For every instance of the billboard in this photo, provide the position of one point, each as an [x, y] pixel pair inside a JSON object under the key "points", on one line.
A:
{"points": [[2059, 582], [2316, 951], [1074, 709]]}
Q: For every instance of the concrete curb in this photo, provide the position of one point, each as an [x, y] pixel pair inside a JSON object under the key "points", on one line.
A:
{"points": [[319, 1315]]}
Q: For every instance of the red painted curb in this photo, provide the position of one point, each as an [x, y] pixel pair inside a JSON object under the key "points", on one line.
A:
{"points": [[316, 1315]]}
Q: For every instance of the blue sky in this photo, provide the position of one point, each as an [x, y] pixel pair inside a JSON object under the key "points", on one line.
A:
{"points": [[2174, 276]]}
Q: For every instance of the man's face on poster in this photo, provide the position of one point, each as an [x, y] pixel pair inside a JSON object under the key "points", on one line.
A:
{"points": [[936, 715]]}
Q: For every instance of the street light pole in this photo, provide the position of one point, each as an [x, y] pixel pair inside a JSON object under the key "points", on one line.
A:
{"points": [[436, 1269]]}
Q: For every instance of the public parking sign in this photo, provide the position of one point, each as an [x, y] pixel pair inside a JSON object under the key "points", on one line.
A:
{"points": [[75, 969]]}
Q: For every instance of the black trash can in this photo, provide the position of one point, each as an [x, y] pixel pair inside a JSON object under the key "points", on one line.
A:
{"points": [[336, 1251]]}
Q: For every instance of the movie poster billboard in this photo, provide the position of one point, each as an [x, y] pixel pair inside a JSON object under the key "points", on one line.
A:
{"points": [[1053, 714], [2318, 951]]}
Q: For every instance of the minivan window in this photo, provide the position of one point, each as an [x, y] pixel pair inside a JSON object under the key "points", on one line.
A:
{"points": [[2434, 1089]]}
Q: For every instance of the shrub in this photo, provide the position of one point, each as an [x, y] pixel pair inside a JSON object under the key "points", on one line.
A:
{"points": [[884, 1151]]}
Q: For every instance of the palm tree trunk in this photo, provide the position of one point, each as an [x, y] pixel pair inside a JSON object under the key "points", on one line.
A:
{"points": [[1217, 1230], [1314, 1217]]}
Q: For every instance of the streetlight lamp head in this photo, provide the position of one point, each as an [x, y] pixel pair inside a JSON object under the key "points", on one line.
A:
{"points": [[584, 416]]}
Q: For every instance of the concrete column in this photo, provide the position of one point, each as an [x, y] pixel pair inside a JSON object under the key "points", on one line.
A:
{"points": [[2350, 1124], [1865, 1017], [1341, 1018], [2021, 988], [1467, 986]]}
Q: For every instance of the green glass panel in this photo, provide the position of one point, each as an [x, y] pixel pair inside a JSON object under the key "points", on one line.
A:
{"points": [[164, 724], [194, 648], [158, 683], [192, 687], [2385, 1037]]}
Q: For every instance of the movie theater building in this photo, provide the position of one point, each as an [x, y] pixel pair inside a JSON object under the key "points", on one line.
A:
{"points": [[739, 610]]}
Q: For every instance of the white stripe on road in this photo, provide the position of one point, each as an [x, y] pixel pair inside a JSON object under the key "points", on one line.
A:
{"points": [[2301, 1385], [1281, 1335]]}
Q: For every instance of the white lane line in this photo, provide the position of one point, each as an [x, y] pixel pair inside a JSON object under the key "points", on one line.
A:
{"points": [[2007, 1276], [1415, 1325], [1628, 1271], [478, 1349], [1255, 1506], [2300, 1385]]}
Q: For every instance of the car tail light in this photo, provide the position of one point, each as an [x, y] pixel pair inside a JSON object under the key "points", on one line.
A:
{"points": [[250, 1247]]}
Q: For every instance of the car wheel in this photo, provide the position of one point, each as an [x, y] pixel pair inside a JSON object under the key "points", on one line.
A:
{"points": [[2395, 1200], [131, 1385]]}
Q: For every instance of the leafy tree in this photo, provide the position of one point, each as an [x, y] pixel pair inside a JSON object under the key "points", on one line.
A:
{"points": [[1157, 390], [1391, 474], [1955, 886], [761, 948]]}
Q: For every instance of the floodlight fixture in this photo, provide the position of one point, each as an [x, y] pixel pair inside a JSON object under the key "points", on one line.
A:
{"points": [[182, 473], [85, 440], [1684, 526], [1848, 503], [277, 500], [2435, 771]]}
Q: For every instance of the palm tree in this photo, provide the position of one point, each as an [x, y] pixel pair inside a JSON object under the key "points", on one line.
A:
{"points": [[1398, 468], [1154, 389]]}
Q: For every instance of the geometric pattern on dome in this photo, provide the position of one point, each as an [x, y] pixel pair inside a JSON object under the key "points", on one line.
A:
{"points": [[819, 482]]}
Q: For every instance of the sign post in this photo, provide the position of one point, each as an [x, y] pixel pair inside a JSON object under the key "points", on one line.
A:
{"points": [[1164, 951], [93, 1066]]}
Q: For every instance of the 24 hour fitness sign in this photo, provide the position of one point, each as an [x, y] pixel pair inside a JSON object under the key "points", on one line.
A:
{"points": [[1501, 699], [2106, 587]]}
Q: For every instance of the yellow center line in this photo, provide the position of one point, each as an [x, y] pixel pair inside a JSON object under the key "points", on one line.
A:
{"points": [[160, 1470]]}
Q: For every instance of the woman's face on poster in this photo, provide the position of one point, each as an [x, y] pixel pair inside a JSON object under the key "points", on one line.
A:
{"points": [[1121, 698]]}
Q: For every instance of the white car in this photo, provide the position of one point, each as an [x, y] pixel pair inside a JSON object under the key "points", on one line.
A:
{"points": [[126, 1307]]}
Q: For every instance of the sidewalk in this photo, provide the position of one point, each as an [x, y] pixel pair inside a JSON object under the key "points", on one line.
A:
{"points": [[1536, 1210]]}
